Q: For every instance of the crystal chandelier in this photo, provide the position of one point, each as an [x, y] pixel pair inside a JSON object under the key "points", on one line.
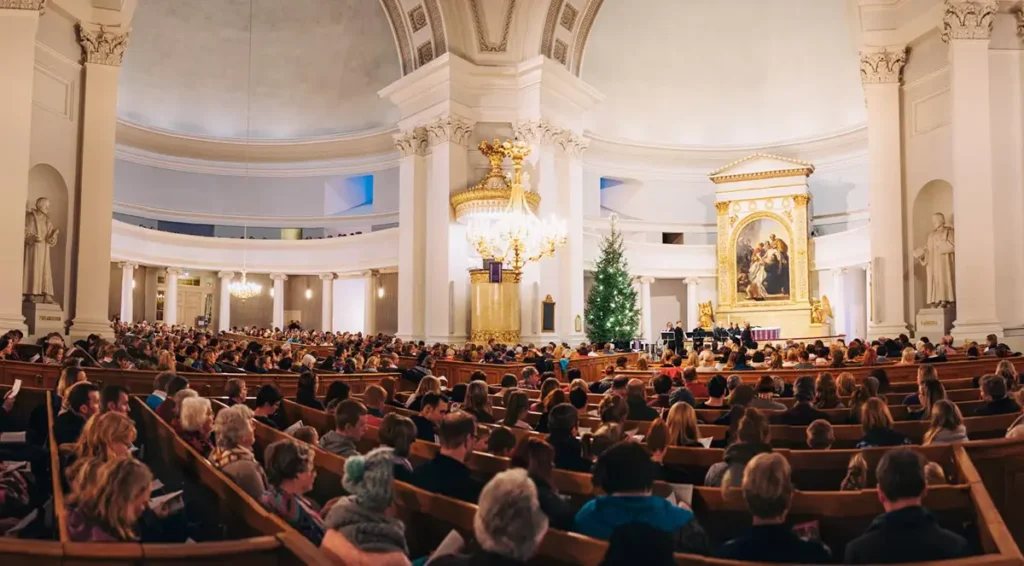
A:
{"points": [[516, 236], [244, 289]]}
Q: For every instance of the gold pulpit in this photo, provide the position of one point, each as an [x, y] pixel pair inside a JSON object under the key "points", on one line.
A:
{"points": [[494, 307]]}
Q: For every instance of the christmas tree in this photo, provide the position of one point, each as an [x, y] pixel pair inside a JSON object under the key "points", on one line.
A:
{"points": [[612, 313]]}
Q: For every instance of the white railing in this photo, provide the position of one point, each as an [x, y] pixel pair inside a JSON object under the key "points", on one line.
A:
{"points": [[342, 223]]}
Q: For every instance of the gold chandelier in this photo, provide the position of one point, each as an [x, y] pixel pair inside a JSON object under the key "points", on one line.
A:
{"points": [[515, 236]]}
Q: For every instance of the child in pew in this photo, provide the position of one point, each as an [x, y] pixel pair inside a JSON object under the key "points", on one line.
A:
{"points": [[290, 474], [362, 516], [768, 491]]}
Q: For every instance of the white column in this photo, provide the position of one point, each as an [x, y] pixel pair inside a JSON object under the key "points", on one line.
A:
{"points": [[127, 291], [967, 26], [854, 298], [411, 232], [224, 310], [103, 49], [278, 319], [881, 68], [17, 69], [171, 296], [840, 308], [326, 302], [446, 291], [692, 318], [370, 306], [572, 300], [645, 309]]}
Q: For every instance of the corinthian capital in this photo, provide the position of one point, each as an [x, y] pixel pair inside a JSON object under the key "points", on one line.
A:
{"points": [[411, 142], [449, 128], [573, 144], [968, 19], [535, 132], [23, 5], [102, 45], [882, 64]]}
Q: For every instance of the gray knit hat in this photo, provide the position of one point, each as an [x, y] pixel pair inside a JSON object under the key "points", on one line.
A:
{"points": [[369, 478]]}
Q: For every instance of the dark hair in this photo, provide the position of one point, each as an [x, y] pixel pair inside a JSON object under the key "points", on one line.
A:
{"points": [[662, 384], [993, 386], [284, 460], [533, 454], [578, 398], [900, 474], [176, 384], [306, 388], [430, 399], [234, 388], [347, 413], [573, 373], [455, 427], [690, 374], [79, 395], [397, 431], [285, 364], [766, 384], [161, 380], [509, 380], [268, 395], [625, 466], [883, 379], [562, 420], [501, 441], [337, 391], [477, 375], [803, 390], [717, 386], [111, 394]]}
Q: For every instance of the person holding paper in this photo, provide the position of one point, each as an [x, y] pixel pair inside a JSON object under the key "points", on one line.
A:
{"points": [[109, 509]]}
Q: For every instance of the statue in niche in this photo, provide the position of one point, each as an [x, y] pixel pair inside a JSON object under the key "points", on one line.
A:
{"points": [[40, 236], [937, 258]]}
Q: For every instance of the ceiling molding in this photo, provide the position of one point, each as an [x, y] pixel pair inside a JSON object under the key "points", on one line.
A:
{"points": [[153, 142], [167, 215], [566, 30]]}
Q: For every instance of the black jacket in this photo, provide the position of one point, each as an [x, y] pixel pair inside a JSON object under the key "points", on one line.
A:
{"points": [[559, 512], [569, 454], [449, 477], [882, 437], [68, 427], [801, 414], [908, 535], [775, 543], [638, 409], [1004, 406], [424, 428]]}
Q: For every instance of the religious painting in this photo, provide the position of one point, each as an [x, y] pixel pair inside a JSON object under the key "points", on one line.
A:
{"points": [[762, 261]]}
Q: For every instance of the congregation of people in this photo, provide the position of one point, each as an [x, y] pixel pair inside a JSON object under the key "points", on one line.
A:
{"points": [[108, 486]]}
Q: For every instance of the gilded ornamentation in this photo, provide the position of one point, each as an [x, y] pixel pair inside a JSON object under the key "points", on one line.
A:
{"points": [[733, 220], [727, 260], [882, 65], [722, 207], [788, 214], [535, 132], [499, 336], [968, 19], [412, 142], [573, 144], [769, 204], [493, 191], [569, 17], [103, 46], [418, 18], [706, 315], [752, 205], [23, 5], [425, 53], [484, 45], [801, 200], [449, 128], [821, 310]]}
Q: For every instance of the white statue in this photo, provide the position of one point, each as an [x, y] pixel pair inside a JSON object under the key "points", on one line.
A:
{"points": [[40, 236], [937, 258]]}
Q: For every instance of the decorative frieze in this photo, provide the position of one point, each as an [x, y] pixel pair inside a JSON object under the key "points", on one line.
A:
{"points": [[573, 144], [535, 132], [412, 142], [103, 45], [968, 19], [882, 65], [449, 128], [23, 5]]}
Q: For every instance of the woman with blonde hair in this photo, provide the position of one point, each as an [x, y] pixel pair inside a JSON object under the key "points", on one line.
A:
{"points": [[642, 363], [166, 361], [429, 384], [515, 411], [907, 357], [691, 359], [478, 402], [1006, 370], [108, 509], [845, 384], [104, 438], [947, 424], [682, 426], [856, 474], [877, 424]]}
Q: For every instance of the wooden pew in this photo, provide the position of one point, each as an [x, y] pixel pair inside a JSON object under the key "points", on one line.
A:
{"points": [[592, 367], [459, 372]]}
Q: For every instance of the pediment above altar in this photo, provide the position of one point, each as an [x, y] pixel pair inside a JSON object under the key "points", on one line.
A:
{"points": [[761, 166]]}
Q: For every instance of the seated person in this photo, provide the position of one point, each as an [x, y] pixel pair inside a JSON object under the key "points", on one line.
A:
{"points": [[168, 410], [717, 388], [363, 517], [803, 412], [305, 394], [236, 392], [765, 392], [268, 400], [374, 398], [398, 432], [478, 402], [753, 437], [84, 402], [290, 474], [946, 426], [638, 409], [698, 389], [626, 475], [929, 393], [820, 435], [509, 524], [997, 402], [907, 532], [107, 437], [109, 509], [114, 399], [516, 408], [447, 474], [196, 424], [876, 423], [662, 385], [349, 428], [562, 436], [768, 491], [433, 409], [233, 454], [160, 383], [500, 441], [537, 457], [337, 392], [682, 427]]}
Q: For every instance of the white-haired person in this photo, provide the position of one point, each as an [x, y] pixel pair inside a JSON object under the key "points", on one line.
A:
{"points": [[362, 516], [233, 454], [508, 526], [195, 423]]}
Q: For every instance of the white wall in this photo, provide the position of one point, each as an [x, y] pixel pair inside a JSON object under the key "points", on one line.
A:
{"points": [[668, 303], [350, 304]]}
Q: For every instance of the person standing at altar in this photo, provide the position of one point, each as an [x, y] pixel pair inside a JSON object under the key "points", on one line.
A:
{"points": [[698, 338], [679, 338], [747, 337]]}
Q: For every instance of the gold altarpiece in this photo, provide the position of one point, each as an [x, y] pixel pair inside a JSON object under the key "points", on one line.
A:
{"points": [[763, 245]]}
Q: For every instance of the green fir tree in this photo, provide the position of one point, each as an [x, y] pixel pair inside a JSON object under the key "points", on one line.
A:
{"points": [[612, 313]]}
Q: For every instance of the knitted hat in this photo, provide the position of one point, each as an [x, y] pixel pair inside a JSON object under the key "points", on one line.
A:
{"points": [[369, 478]]}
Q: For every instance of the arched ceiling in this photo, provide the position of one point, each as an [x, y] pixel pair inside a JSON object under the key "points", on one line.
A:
{"points": [[723, 73], [316, 68]]}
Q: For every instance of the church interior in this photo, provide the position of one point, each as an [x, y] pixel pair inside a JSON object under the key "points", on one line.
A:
{"points": [[566, 282]]}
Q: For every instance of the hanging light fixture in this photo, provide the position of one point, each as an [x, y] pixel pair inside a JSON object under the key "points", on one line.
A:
{"points": [[516, 236], [245, 289]]}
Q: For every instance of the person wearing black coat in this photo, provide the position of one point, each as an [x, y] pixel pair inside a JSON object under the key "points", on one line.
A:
{"points": [[447, 474], [803, 413], [562, 425], [907, 532]]}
